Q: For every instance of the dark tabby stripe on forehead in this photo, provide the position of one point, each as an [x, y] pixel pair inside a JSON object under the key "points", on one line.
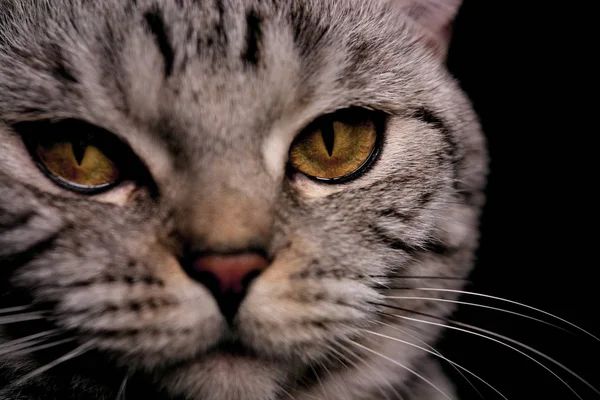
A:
{"points": [[157, 26], [254, 34], [220, 25], [62, 70]]}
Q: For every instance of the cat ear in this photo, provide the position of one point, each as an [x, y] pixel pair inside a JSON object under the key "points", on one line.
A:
{"points": [[435, 18]]}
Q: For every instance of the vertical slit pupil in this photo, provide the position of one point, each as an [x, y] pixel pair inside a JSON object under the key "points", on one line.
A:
{"points": [[328, 136], [79, 150], [79, 146]]}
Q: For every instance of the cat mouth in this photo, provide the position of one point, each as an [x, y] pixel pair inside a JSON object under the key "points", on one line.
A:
{"points": [[228, 350], [230, 357], [232, 348]]}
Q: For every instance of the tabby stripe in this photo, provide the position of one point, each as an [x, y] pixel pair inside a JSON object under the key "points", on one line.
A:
{"points": [[430, 246], [61, 70], [391, 242], [429, 117], [220, 26], [13, 223], [157, 27], [251, 54], [400, 216], [22, 257]]}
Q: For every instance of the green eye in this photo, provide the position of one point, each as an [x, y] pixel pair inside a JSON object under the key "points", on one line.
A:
{"points": [[336, 146]]}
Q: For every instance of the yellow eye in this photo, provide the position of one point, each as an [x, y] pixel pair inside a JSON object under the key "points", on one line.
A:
{"points": [[83, 157], [77, 164], [336, 146]]}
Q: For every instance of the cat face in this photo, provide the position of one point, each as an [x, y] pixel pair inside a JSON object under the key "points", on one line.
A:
{"points": [[210, 105]]}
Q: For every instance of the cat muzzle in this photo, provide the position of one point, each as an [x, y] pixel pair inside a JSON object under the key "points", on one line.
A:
{"points": [[228, 277]]}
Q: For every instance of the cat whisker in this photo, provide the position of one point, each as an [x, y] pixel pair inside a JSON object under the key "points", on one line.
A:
{"points": [[312, 397], [28, 348], [287, 393], [511, 302], [22, 317], [403, 330], [401, 366], [490, 336], [437, 354], [449, 278], [377, 385], [319, 381], [344, 356], [69, 356], [476, 305], [122, 389], [307, 394], [19, 346], [339, 360], [28, 338], [297, 388], [14, 309], [322, 365]]}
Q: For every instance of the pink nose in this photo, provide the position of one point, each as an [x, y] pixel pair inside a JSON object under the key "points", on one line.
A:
{"points": [[228, 276], [233, 272]]}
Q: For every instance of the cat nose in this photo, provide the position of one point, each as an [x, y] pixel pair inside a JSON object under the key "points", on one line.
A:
{"points": [[228, 276]]}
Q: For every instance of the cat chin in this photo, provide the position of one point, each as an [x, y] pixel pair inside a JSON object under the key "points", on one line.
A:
{"points": [[226, 376]]}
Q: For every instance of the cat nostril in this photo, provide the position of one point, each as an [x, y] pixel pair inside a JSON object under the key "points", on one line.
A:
{"points": [[233, 272], [228, 276]]}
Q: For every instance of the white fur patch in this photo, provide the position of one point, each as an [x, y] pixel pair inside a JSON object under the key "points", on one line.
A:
{"points": [[275, 151]]}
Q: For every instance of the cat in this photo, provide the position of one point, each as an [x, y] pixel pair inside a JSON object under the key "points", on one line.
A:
{"points": [[231, 199]]}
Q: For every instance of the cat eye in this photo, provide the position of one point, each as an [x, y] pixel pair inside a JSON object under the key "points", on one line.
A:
{"points": [[337, 147], [78, 156], [77, 163]]}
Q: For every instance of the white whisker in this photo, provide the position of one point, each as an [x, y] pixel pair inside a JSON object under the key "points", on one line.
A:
{"points": [[19, 346], [309, 395], [331, 375], [336, 357], [121, 392], [320, 383], [437, 354], [507, 345], [24, 349], [402, 366], [378, 385], [286, 392], [328, 372], [476, 305], [69, 356], [28, 338], [512, 302], [403, 330], [14, 309], [11, 319]]}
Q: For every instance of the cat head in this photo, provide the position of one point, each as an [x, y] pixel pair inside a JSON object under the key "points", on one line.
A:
{"points": [[316, 151]]}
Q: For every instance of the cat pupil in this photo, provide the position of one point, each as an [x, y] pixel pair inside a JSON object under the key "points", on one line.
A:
{"points": [[79, 147], [328, 135]]}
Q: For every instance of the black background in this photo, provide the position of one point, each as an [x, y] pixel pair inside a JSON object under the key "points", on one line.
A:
{"points": [[528, 74]]}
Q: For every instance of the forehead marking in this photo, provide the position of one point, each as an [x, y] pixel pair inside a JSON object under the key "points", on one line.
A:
{"points": [[251, 53], [157, 28]]}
